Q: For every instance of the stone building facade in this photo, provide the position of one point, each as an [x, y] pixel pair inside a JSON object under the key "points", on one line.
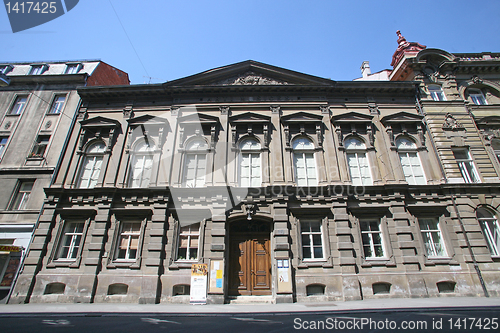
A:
{"points": [[38, 102], [292, 187]]}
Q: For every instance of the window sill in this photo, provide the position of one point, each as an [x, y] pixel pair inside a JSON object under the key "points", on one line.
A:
{"points": [[432, 261], [314, 263], [370, 262], [72, 263], [122, 263], [182, 264]]}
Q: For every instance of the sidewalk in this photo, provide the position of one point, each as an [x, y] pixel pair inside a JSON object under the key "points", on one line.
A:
{"points": [[395, 304]]}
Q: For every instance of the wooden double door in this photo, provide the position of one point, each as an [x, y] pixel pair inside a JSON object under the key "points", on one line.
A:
{"points": [[249, 264]]}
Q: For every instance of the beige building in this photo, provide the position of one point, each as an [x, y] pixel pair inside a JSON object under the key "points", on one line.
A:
{"points": [[289, 187], [38, 102]]}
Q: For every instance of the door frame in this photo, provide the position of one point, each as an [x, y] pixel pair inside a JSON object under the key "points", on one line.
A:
{"points": [[231, 233]]}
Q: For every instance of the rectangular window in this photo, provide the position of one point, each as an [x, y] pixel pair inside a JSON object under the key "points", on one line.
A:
{"points": [[432, 237], [3, 144], [312, 240], [305, 169], [72, 68], [194, 172], [128, 243], [19, 105], [477, 98], [436, 93], [412, 168], [40, 146], [36, 70], [188, 242], [71, 241], [371, 236], [359, 169], [250, 175], [466, 165], [57, 105], [22, 195]]}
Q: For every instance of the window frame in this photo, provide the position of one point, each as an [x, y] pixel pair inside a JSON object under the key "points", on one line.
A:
{"points": [[69, 67], [85, 158], [302, 153], [118, 220], [310, 233], [149, 153], [17, 192], [323, 216], [371, 241], [64, 237], [37, 69], [477, 97], [129, 235], [356, 152], [447, 253], [489, 236], [436, 92], [189, 234], [40, 145], [60, 105], [3, 145], [17, 101], [189, 153], [250, 153], [462, 163], [408, 151]]}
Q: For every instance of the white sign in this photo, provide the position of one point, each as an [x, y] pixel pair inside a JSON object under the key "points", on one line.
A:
{"points": [[199, 278]]}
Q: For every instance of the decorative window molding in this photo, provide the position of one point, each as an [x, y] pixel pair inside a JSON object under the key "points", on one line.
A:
{"points": [[354, 123], [70, 234], [250, 124], [198, 124], [128, 228], [357, 161], [405, 123], [303, 124], [313, 239]]}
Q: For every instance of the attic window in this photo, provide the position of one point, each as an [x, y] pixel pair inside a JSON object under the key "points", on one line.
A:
{"points": [[73, 68], [37, 69]]}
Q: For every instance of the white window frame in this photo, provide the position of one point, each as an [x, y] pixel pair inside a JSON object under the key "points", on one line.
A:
{"points": [[477, 97], [128, 234], [491, 230], [304, 154], [21, 196], [72, 68], [310, 235], [371, 242], [430, 248], [356, 153], [142, 157], [3, 145], [93, 158], [72, 230], [36, 69], [57, 104], [193, 231], [18, 106], [253, 155], [436, 92], [411, 179], [199, 173], [467, 166]]}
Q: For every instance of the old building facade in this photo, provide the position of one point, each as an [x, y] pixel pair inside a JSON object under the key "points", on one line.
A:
{"points": [[38, 102], [292, 187]]}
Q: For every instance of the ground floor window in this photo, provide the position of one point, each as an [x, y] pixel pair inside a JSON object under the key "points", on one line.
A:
{"points": [[188, 242], [312, 240]]}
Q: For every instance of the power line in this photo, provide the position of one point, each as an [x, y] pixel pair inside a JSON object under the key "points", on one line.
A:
{"points": [[129, 39]]}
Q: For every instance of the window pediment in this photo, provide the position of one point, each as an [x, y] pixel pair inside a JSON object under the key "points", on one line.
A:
{"points": [[351, 117], [147, 120], [402, 117], [101, 122], [249, 117], [198, 118], [301, 117]]}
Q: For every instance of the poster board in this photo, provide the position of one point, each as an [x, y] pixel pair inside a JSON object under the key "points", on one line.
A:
{"points": [[199, 277], [284, 275], [216, 276]]}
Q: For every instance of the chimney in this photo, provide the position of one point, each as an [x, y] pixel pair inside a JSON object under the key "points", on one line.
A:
{"points": [[365, 69]]}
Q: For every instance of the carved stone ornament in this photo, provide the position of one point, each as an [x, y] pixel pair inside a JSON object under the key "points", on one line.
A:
{"points": [[48, 124], [476, 79], [249, 78], [451, 123], [8, 125]]}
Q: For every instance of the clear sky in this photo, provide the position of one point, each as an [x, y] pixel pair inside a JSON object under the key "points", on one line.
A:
{"points": [[165, 40]]}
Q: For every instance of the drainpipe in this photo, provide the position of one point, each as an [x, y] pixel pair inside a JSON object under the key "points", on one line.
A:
{"points": [[452, 196]]}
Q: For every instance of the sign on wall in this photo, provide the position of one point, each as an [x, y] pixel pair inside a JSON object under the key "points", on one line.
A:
{"points": [[199, 277], [216, 276]]}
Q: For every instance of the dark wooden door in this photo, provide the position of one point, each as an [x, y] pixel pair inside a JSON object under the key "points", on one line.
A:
{"points": [[250, 265]]}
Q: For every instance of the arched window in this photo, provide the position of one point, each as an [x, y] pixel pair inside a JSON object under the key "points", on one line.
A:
{"points": [[142, 163], [195, 163], [491, 230], [357, 161], [410, 162], [304, 163], [436, 92], [250, 165], [477, 96], [91, 167]]}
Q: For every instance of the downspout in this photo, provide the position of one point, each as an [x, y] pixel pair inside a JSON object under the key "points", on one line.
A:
{"points": [[452, 196]]}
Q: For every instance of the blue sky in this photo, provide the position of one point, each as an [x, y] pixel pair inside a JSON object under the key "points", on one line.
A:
{"points": [[325, 38]]}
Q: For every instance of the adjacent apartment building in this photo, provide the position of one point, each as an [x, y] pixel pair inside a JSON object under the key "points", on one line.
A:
{"points": [[289, 186], [38, 102]]}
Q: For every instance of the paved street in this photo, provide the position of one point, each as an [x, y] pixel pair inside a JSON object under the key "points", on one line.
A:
{"points": [[445, 320]]}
